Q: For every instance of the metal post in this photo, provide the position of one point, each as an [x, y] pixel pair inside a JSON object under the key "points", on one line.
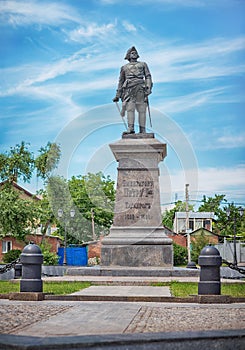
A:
{"points": [[189, 245], [187, 223], [60, 214], [64, 261], [234, 242], [92, 221]]}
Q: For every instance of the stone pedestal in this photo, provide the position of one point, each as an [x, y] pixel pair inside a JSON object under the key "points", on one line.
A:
{"points": [[137, 237]]}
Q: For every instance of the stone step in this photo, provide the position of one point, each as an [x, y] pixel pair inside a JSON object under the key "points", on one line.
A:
{"points": [[132, 271]]}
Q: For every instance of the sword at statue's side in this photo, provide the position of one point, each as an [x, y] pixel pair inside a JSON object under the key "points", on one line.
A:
{"points": [[149, 111], [121, 115]]}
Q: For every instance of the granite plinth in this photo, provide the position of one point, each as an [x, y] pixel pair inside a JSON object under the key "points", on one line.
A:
{"points": [[137, 237], [137, 255]]}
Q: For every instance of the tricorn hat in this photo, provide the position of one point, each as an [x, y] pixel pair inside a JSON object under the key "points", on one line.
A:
{"points": [[129, 51]]}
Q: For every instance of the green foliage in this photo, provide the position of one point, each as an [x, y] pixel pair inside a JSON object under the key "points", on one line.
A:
{"points": [[197, 245], [49, 258], [16, 163], [48, 160], [18, 216], [44, 212], [168, 215], [180, 255], [93, 196], [90, 196], [224, 225], [11, 256], [212, 204], [232, 223]]}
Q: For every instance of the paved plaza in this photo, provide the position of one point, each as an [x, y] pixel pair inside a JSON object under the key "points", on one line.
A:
{"points": [[50, 318]]}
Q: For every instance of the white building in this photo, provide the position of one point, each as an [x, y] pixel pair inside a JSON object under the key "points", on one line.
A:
{"points": [[196, 220]]}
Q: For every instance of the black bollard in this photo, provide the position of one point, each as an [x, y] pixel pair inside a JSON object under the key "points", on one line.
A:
{"points": [[31, 260], [17, 271], [210, 262]]}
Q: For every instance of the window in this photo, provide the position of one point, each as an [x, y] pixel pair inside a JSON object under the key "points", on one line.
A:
{"points": [[6, 246], [198, 224], [207, 224], [191, 224]]}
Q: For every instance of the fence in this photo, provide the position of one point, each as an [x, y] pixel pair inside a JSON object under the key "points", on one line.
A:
{"points": [[226, 250]]}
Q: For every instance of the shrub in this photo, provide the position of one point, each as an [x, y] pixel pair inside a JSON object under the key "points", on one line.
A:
{"points": [[49, 258], [197, 245], [180, 255], [11, 255]]}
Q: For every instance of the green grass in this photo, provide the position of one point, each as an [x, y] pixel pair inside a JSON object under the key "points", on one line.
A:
{"points": [[178, 289], [9, 287], [48, 287], [64, 287], [233, 289], [184, 289]]}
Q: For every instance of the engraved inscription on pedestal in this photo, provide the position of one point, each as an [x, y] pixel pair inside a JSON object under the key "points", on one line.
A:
{"points": [[136, 199]]}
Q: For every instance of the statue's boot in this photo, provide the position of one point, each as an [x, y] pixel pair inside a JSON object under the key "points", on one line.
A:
{"points": [[130, 130], [131, 116], [142, 121]]}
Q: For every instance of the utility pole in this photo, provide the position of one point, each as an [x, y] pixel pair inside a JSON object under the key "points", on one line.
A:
{"points": [[187, 222], [92, 221]]}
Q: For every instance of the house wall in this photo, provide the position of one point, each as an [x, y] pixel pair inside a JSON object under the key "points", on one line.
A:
{"points": [[194, 224], [55, 243], [179, 239], [212, 239], [94, 250]]}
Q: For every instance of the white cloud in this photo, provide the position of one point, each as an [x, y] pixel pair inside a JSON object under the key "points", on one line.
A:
{"points": [[211, 181], [229, 137], [129, 26], [91, 31], [169, 3], [36, 12], [189, 101], [231, 141], [203, 60], [168, 65]]}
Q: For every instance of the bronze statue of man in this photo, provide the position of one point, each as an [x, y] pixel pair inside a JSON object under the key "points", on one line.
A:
{"points": [[134, 86]]}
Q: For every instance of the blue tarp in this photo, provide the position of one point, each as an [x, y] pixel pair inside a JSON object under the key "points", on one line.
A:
{"points": [[75, 256]]}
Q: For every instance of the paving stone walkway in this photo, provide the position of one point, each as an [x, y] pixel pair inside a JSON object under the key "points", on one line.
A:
{"points": [[52, 319]]}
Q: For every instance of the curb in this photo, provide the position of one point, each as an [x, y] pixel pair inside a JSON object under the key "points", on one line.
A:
{"points": [[196, 299]]}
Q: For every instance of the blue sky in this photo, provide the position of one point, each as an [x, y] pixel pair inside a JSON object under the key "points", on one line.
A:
{"points": [[60, 63]]}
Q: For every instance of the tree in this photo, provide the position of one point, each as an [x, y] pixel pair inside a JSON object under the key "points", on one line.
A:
{"points": [[91, 196], [47, 160], [168, 215], [180, 255], [94, 196], [17, 163], [227, 224], [212, 204], [197, 245], [18, 216], [223, 225]]}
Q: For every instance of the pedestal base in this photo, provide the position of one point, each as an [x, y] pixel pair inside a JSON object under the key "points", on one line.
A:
{"points": [[137, 247], [137, 255]]}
